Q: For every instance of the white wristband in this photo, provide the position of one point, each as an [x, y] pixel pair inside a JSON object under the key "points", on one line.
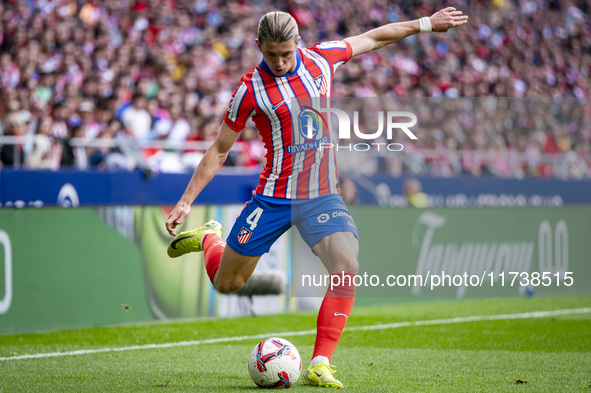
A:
{"points": [[425, 25]]}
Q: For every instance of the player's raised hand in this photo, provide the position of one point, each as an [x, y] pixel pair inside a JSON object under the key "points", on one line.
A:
{"points": [[176, 217], [449, 17]]}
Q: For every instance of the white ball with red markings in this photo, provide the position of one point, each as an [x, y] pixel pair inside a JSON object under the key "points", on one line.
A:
{"points": [[274, 363]]}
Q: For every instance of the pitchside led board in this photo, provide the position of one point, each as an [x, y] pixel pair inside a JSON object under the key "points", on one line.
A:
{"points": [[97, 266], [484, 252]]}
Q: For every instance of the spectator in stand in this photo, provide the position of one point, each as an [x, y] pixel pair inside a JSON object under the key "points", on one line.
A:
{"points": [[46, 153], [136, 119], [12, 154], [44, 90], [499, 162], [92, 128], [97, 155], [59, 128], [175, 128], [115, 128], [9, 71]]}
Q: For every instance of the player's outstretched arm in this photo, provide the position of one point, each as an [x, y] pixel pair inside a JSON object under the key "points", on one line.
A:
{"points": [[391, 33], [212, 161]]}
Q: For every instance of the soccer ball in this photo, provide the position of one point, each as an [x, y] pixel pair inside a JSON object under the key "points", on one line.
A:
{"points": [[274, 363]]}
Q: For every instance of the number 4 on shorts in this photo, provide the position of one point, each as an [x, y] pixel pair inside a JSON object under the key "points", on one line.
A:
{"points": [[254, 217]]}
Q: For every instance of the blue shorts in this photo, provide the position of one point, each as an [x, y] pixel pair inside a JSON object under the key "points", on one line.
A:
{"points": [[264, 219]]}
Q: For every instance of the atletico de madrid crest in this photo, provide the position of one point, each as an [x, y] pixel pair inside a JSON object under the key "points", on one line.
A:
{"points": [[321, 84], [244, 235]]}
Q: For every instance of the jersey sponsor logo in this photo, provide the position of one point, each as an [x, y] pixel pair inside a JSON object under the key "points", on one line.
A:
{"points": [[317, 144], [310, 124], [321, 84], [244, 235]]}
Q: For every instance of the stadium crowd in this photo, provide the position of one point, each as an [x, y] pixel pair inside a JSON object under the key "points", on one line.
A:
{"points": [[164, 70]]}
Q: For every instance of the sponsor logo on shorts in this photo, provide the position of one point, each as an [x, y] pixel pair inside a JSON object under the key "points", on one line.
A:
{"points": [[324, 217], [340, 214], [244, 235]]}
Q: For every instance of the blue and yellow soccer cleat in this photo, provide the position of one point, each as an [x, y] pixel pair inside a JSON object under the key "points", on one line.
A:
{"points": [[190, 241], [321, 375]]}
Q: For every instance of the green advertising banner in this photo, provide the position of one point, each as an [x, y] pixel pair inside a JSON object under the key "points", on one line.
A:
{"points": [[65, 268], [463, 253]]}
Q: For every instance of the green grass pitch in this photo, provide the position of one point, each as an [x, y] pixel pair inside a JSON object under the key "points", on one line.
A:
{"points": [[548, 354]]}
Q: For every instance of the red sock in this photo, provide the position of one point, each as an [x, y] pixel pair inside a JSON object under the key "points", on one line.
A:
{"points": [[334, 312], [213, 248]]}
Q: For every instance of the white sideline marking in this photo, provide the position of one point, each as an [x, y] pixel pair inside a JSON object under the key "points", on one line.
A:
{"points": [[396, 325]]}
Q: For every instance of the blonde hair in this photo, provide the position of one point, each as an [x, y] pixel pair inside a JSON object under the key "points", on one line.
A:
{"points": [[277, 26]]}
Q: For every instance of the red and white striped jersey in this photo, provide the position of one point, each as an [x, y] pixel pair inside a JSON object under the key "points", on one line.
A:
{"points": [[290, 173]]}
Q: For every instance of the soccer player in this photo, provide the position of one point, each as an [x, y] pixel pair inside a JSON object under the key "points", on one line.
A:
{"points": [[296, 188]]}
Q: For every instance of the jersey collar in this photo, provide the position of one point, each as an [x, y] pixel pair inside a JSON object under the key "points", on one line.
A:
{"points": [[266, 68]]}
